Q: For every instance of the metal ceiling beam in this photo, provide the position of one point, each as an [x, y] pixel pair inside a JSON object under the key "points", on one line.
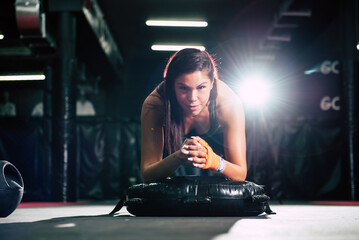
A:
{"points": [[285, 25], [95, 18], [280, 30], [302, 13], [97, 22], [281, 38]]}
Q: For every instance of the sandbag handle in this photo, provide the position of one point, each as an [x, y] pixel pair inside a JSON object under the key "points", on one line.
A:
{"points": [[260, 198], [263, 199], [118, 207], [268, 210], [4, 184]]}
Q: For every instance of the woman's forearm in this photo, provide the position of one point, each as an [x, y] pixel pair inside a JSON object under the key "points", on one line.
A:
{"points": [[161, 169], [235, 172]]}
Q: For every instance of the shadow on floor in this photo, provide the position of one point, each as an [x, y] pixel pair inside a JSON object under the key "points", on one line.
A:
{"points": [[120, 226]]}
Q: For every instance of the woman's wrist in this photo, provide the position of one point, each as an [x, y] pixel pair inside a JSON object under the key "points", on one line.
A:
{"points": [[179, 157], [222, 165]]}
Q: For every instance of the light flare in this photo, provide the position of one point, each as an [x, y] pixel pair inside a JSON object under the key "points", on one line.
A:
{"points": [[255, 92]]}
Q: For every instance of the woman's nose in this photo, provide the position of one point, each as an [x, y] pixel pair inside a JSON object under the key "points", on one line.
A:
{"points": [[192, 96]]}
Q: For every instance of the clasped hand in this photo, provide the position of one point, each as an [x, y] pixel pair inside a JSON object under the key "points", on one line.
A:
{"points": [[192, 153]]}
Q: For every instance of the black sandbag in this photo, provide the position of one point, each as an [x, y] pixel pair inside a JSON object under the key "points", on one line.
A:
{"points": [[196, 196]]}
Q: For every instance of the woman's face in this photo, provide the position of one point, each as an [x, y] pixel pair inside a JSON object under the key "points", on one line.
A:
{"points": [[193, 91]]}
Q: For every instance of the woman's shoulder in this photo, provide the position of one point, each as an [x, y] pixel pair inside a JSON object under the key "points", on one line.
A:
{"points": [[225, 95], [153, 106], [155, 98], [228, 102]]}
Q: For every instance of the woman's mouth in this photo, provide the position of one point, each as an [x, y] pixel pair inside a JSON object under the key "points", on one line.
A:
{"points": [[193, 108]]}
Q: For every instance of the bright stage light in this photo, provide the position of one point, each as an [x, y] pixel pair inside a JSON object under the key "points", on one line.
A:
{"points": [[1, 36], [254, 92], [175, 47], [165, 23], [31, 77]]}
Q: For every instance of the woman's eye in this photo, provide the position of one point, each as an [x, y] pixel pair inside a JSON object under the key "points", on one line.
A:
{"points": [[201, 87]]}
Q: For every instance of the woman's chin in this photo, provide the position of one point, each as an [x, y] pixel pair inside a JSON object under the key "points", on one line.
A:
{"points": [[194, 113]]}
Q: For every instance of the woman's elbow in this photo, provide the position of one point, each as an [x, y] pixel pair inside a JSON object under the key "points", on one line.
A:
{"points": [[243, 175], [144, 175], [242, 178], [240, 175], [148, 176], [239, 178], [146, 179]]}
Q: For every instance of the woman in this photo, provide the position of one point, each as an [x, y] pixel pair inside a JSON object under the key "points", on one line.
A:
{"points": [[192, 121]]}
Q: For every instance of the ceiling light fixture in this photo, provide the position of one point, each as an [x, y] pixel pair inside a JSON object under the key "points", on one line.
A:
{"points": [[165, 23], [175, 47], [30, 77], [281, 38]]}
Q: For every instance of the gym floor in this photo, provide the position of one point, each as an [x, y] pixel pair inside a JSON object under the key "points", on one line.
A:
{"points": [[91, 221]]}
